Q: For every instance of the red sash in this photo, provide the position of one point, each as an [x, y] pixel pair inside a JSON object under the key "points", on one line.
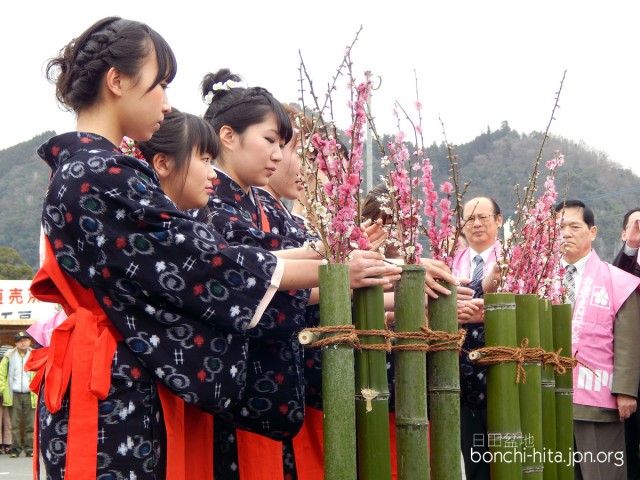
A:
{"points": [[90, 359], [260, 458]]}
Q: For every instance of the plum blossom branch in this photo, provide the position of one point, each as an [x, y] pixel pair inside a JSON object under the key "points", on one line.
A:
{"points": [[530, 261], [333, 210], [403, 184], [443, 224]]}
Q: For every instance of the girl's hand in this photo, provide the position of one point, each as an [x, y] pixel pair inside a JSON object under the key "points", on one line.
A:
{"points": [[464, 293], [368, 269], [437, 270], [375, 233]]}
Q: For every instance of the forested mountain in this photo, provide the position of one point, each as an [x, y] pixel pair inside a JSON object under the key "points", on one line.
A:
{"points": [[23, 181], [493, 163]]}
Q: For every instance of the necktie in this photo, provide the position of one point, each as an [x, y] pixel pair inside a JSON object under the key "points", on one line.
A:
{"points": [[476, 278], [570, 283]]}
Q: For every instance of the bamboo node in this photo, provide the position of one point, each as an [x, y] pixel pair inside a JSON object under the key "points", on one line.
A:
{"points": [[500, 306]]}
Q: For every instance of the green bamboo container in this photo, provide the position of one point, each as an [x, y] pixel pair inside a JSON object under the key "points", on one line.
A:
{"points": [[548, 391], [372, 414], [338, 378], [530, 391], [503, 407], [443, 380], [561, 319], [412, 447]]}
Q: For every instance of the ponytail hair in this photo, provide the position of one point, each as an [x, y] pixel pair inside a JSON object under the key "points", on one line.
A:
{"points": [[240, 107]]}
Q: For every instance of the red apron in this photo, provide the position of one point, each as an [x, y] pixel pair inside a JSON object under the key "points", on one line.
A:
{"points": [[189, 431]]}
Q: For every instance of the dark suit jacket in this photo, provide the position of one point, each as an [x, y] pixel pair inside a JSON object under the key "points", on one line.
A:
{"points": [[628, 263]]}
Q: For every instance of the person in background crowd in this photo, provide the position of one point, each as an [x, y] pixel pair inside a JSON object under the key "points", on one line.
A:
{"points": [[605, 332], [5, 417], [482, 220], [14, 386], [627, 260]]}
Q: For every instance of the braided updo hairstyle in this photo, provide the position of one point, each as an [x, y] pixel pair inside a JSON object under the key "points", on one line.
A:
{"points": [[239, 107], [110, 42]]}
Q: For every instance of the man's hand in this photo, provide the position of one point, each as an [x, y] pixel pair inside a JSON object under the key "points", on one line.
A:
{"points": [[626, 406], [471, 311], [633, 235], [492, 279]]}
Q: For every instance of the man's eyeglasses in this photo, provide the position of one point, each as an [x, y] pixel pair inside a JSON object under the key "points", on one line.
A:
{"points": [[483, 217]]}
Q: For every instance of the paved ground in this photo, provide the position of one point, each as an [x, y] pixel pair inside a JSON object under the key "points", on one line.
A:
{"points": [[15, 468], [20, 468]]}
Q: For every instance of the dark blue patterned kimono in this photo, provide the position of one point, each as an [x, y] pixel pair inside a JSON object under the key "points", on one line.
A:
{"points": [[178, 294], [258, 219], [283, 221]]}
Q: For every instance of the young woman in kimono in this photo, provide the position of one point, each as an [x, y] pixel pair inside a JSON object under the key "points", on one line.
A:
{"points": [[253, 128], [301, 460], [156, 301]]}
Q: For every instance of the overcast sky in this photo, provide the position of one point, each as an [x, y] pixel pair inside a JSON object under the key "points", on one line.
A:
{"points": [[478, 63]]}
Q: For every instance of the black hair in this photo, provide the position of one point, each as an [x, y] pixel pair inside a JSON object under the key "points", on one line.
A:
{"points": [[110, 42], [178, 135], [372, 205], [239, 107], [627, 215], [587, 214]]}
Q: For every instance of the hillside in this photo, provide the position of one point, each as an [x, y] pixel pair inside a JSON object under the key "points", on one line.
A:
{"points": [[23, 182], [493, 163]]}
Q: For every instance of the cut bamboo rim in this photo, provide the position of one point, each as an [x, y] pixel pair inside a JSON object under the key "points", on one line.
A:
{"points": [[306, 337]]}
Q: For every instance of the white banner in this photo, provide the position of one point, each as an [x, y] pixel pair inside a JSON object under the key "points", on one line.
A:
{"points": [[17, 303]]}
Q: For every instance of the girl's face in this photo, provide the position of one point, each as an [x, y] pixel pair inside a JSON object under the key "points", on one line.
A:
{"points": [[191, 187], [143, 110], [286, 181], [251, 158]]}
